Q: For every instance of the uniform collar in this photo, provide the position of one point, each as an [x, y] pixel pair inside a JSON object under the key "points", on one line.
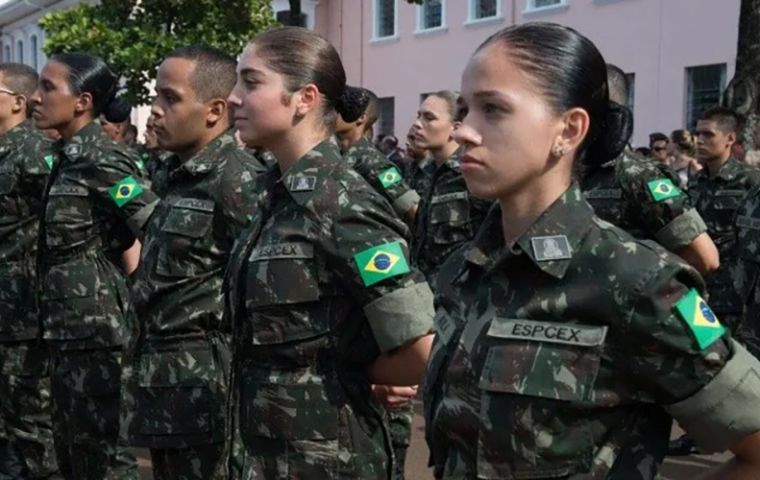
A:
{"points": [[73, 148], [304, 177], [563, 225], [207, 158], [15, 135], [727, 172]]}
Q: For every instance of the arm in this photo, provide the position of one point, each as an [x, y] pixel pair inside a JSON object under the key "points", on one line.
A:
{"points": [[746, 464], [131, 257], [701, 253], [404, 366]]}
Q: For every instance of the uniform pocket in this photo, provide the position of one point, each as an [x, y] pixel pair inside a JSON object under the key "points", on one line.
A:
{"points": [[728, 199], [532, 372], [70, 295], [185, 229], [68, 215], [16, 298], [450, 218]]}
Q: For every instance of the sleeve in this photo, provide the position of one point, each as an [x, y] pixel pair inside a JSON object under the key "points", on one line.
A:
{"points": [[368, 252], [681, 355], [118, 183], [653, 198], [37, 166], [387, 179]]}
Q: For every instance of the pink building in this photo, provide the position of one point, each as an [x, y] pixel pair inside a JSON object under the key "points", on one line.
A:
{"points": [[679, 54]]}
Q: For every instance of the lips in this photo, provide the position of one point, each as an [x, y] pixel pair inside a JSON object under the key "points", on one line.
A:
{"points": [[468, 160]]}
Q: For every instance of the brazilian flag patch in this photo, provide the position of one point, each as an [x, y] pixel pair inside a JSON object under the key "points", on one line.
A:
{"points": [[383, 261], [663, 189], [49, 161], [390, 177], [702, 322], [125, 191]]}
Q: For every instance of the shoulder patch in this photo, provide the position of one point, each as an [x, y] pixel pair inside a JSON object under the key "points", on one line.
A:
{"points": [[72, 150], [389, 177], [700, 319], [554, 247], [380, 262], [303, 184], [49, 161], [125, 191], [663, 189]]}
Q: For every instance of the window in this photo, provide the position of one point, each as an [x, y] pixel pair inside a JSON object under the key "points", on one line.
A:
{"points": [[539, 4], [482, 9], [385, 18], [704, 87], [430, 15], [386, 109], [7, 53], [20, 51], [35, 59], [631, 81]]}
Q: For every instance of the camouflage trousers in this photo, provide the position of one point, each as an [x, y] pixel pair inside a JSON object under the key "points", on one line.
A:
{"points": [[26, 435], [201, 462], [400, 421], [85, 399]]}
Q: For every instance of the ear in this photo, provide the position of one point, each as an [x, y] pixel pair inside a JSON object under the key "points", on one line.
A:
{"points": [[216, 110], [307, 99], [455, 126], [83, 103], [361, 120], [731, 137], [19, 104], [575, 124]]}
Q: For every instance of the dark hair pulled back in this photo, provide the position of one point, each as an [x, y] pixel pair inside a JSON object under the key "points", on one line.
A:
{"points": [[304, 57], [90, 74], [353, 103], [571, 73]]}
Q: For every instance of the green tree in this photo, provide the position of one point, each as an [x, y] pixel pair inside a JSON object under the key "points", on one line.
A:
{"points": [[133, 35]]}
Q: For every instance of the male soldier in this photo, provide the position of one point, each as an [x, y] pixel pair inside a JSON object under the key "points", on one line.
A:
{"points": [[419, 166], [658, 146], [177, 389], [370, 163], [638, 195], [26, 437]]}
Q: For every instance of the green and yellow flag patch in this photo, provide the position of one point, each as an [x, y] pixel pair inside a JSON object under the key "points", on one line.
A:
{"points": [[663, 189], [702, 322], [125, 191], [49, 161], [390, 177], [383, 261]]}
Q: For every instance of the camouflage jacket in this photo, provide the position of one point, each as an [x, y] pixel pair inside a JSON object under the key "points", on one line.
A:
{"points": [[554, 358], [96, 204], [319, 286], [419, 173], [642, 197], [745, 269], [717, 200], [178, 364], [382, 175], [25, 162], [447, 217]]}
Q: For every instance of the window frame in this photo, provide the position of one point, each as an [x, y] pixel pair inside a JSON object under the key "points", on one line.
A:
{"points": [[420, 27], [472, 7], [530, 6], [376, 22], [689, 110]]}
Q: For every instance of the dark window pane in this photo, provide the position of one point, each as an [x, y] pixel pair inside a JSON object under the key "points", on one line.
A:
{"points": [[485, 8]]}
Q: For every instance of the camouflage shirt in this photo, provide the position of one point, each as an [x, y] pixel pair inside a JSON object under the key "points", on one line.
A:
{"points": [[96, 204], [745, 269], [642, 197], [717, 200], [25, 163], [320, 285], [419, 173], [447, 217], [178, 365], [382, 175], [553, 358]]}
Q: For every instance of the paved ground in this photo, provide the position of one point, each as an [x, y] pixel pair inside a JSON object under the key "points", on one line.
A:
{"points": [[681, 468]]}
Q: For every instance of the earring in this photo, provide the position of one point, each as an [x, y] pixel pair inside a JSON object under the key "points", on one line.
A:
{"points": [[558, 151]]}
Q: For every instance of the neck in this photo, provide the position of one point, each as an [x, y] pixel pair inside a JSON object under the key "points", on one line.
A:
{"points": [[294, 145], [442, 154], [521, 209], [11, 123], [208, 137], [73, 127], [715, 164]]}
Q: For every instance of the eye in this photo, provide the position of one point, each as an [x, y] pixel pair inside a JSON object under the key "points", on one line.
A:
{"points": [[492, 109]]}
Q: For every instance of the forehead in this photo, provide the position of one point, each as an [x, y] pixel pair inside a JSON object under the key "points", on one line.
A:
{"points": [[54, 71], [707, 125], [175, 72], [493, 69], [435, 104], [251, 59]]}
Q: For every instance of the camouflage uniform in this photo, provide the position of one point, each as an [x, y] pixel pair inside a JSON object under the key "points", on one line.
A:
{"points": [[382, 175], [534, 374], [25, 425], [626, 192], [447, 217], [717, 200], [320, 286], [177, 366], [96, 203], [419, 174]]}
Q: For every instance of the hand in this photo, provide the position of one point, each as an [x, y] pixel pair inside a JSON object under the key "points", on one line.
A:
{"points": [[393, 397]]}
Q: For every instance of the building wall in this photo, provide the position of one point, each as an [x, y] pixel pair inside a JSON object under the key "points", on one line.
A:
{"points": [[654, 39]]}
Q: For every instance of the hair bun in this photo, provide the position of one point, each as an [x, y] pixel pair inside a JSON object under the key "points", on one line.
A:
{"points": [[352, 103], [117, 110], [613, 136]]}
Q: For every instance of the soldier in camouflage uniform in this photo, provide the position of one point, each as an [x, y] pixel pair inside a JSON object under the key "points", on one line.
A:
{"points": [[563, 344], [320, 285], [717, 191], [641, 196], [368, 161], [26, 436], [448, 215], [177, 367], [95, 206], [419, 166]]}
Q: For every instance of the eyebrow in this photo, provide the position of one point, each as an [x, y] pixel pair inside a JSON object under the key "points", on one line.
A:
{"points": [[489, 94], [250, 71]]}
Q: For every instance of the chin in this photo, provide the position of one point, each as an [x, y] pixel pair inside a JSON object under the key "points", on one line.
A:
{"points": [[480, 189]]}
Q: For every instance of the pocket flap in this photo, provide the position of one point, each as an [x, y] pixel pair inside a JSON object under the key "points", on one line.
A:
{"points": [[188, 222], [192, 368], [75, 279]]}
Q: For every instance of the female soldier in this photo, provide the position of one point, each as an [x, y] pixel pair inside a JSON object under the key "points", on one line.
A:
{"points": [[564, 345], [320, 285], [95, 207], [447, 215]]}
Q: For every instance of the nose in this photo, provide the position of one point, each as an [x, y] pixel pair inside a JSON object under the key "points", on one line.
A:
{"points": [[234, 99], [35, 98], [466, 135]]}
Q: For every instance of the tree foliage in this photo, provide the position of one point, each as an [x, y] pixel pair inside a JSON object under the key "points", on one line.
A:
{"points": [[132, 36]]}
